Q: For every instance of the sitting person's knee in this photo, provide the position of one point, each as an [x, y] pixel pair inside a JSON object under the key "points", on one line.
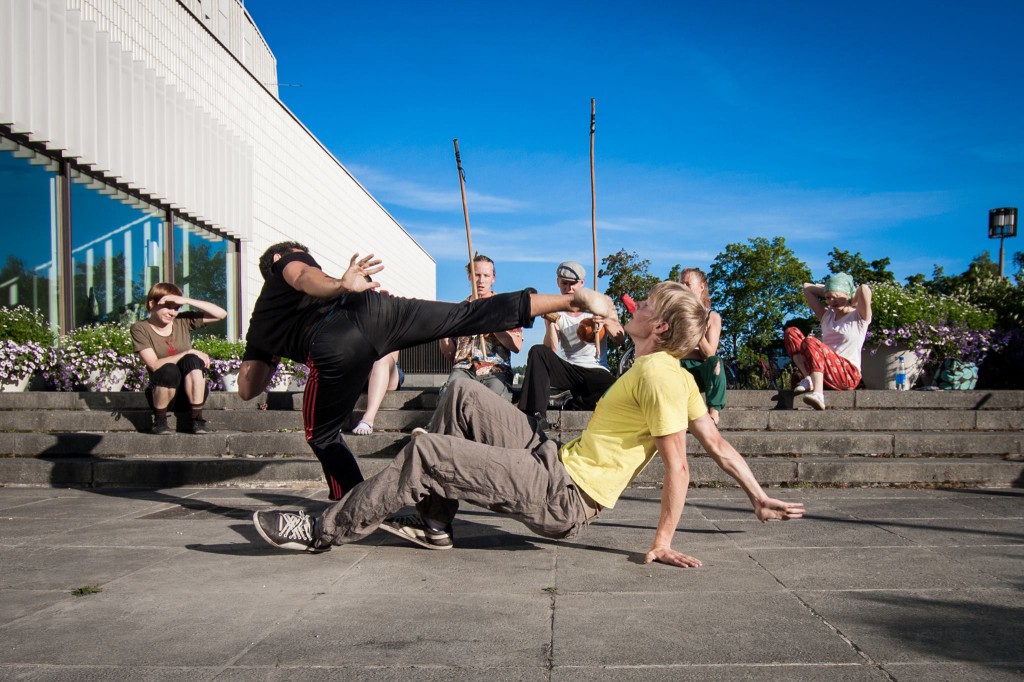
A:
{"points": [[537, 351], [168, 376], [718, 364], [191, 363]]}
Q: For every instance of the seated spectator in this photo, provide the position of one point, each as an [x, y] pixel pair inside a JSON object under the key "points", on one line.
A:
{"points": [[385, 376], [484, 358], [703, 362], [833, 361], [164, 343], [571, 359]]}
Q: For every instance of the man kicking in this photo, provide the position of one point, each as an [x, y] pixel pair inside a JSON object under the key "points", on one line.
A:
{"points": [[486, 452], [339, 327]]}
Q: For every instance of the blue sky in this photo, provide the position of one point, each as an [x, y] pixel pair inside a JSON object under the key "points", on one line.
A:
{"points": [[889, 128]]}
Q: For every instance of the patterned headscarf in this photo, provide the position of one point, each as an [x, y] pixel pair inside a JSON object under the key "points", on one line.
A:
{"points": [[840, 283]]}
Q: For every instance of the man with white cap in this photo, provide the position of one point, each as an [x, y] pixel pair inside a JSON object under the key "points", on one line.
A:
{"points": [[573, 356]]}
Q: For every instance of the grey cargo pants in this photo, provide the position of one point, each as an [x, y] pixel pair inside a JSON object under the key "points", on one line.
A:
{"points": [[480, 449]]}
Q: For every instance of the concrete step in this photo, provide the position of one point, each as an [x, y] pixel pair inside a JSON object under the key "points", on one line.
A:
{"points": [[304, 471], [291, 443], [407, 418], [865, 437], [426, 399]]}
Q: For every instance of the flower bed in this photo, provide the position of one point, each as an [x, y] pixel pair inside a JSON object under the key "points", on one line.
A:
{"points": [[935, 327]]}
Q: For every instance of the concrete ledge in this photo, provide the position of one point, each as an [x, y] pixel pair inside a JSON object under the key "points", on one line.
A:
{"points": [[404, 420], [275, 472], [869, 420], [946, 400], [45, 472], [426, 398], [975, 471], [957, 443], [141, 420], [123, 444], [817, 443]]}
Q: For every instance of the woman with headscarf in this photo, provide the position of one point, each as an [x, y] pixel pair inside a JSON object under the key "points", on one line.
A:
{"points": [[834, 361]]}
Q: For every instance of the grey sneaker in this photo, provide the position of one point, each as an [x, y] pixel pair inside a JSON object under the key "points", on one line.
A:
{"points": [[413, 529], [288, 530], [160, 428], [201, 426], [815, 400]]}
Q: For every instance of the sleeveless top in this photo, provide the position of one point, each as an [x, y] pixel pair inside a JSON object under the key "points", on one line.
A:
{"points": [[575, 350], [846, 335]]}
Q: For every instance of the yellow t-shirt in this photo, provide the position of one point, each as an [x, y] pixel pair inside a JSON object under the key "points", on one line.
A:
{"points": [[655, 398]]}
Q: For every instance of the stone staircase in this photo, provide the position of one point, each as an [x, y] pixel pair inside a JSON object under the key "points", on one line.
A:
{"points": [[970, 438]]}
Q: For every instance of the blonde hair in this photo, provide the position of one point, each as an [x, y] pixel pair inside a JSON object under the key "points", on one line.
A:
{"points": [[158, 291], [704, 298], [684, 314]]}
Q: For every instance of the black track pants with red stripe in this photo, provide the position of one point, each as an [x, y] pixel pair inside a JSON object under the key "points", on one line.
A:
{"points": [[364, 327]]}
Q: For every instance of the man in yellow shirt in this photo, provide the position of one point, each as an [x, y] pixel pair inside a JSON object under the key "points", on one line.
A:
{"points": [[483, 450]]}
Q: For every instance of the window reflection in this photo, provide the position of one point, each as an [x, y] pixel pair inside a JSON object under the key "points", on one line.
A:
{"points": [[28, 223], [117, 247], [203, 270], [117, 244]]}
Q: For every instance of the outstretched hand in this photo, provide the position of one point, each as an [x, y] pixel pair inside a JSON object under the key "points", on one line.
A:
{"points": [[357, 277], [591, 301], [667, 555], [770, 509]]}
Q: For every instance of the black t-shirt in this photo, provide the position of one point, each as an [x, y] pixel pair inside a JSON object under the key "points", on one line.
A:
{"points": [[282, 316]]}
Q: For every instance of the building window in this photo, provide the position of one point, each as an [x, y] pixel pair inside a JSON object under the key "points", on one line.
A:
{"points": [[204, 267], [29, 224], [118, 246], [117, 251]]}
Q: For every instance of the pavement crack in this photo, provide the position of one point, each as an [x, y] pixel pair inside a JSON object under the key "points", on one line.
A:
{"points": [[824, 621], [553, 595]]}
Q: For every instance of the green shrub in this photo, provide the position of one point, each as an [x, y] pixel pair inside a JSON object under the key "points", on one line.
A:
{"points": [[21, 325], [893, 306], [100, 337], [219, 348]]}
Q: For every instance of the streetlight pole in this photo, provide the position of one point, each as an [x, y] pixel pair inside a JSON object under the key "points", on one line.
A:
{"points": [[1002, 223]]}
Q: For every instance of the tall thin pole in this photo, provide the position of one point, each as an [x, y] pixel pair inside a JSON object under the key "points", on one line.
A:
{"points": [[1002, 254], [593, 214], [465, 215], [593, 187], [469, 239]]}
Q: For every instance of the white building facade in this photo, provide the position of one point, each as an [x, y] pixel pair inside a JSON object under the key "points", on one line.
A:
{"points": [[144, 141]]}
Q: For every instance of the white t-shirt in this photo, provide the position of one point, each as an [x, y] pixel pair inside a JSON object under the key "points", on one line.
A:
{"points": [[573, 349], [846, 335]]}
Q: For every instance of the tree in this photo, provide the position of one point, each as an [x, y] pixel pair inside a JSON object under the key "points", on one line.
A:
{"points": [[862, 271], [628, 274], [755, 287], [980, 269]]}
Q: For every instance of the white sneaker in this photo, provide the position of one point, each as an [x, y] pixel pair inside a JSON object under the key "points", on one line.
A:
{"points": [[804, 386], [815, 400]]}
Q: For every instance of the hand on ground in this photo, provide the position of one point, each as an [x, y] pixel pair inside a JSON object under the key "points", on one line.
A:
{"points": [[771, 509], [667, 555]]}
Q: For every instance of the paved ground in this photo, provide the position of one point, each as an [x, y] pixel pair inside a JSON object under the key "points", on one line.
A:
{"points": [[876, 584]]}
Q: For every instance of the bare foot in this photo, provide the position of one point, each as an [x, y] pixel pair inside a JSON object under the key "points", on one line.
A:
{"points": [[591, 301], [714, 414]]}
